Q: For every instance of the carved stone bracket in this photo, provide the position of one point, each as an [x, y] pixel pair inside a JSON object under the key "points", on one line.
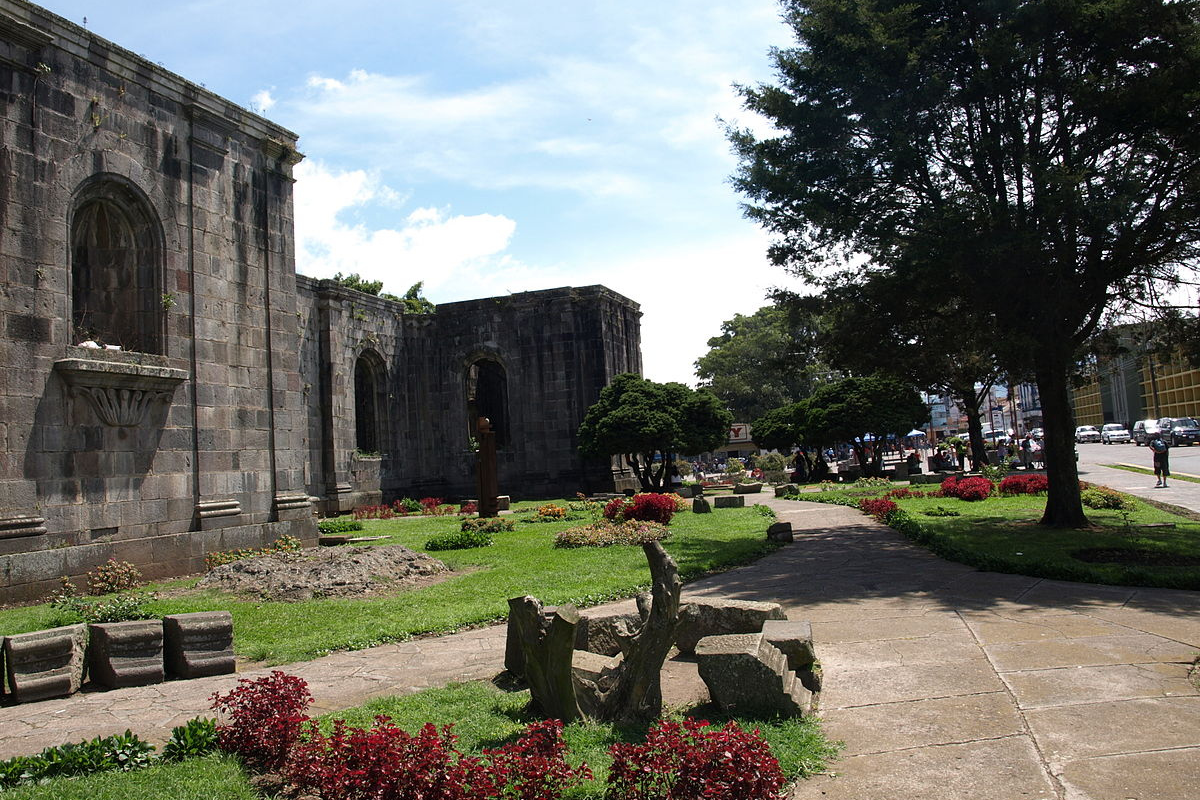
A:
{"points": [[208, 509], [13, 527], [120, 392], [292, 502]]}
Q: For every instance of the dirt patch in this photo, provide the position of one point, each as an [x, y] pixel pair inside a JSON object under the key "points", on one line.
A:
{"points": [[326, 572], [1128, 555]]}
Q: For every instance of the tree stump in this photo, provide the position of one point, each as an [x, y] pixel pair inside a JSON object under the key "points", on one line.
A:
{"points": [[633, 692]]}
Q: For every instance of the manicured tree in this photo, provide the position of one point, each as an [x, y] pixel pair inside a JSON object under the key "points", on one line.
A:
{"points": [[647, 422], [1041, 158], [863, 410]]}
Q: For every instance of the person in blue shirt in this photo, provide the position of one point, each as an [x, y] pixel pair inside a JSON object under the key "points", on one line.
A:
{"points": [[1162, 467]]}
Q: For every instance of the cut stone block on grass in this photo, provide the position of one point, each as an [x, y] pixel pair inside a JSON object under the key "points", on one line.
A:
{"points": [[704, 616], [199, 644], [747, 488], [700, 505], [780, 532], [593, 666], [745, 673], [729, 501], [126, 653], [45, 664], [787, 488]]}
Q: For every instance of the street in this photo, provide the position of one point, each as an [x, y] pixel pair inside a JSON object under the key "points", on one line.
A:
{"points": [[1183, 459]]}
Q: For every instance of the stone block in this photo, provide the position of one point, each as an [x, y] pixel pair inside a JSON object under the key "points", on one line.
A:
{"points": [[745, 674], [503, 502], [45, 664], [729, 501], [126, 653], [603, 634], [702, 617], [793, 639], [199, 644], [780, 532], [786, 488], [747, 488], [594, 667], [700, 505]]}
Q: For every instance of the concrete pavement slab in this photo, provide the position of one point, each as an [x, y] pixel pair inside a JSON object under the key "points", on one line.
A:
{"points": [[1157, 775], [919, 723], [1180, 626], [883, 628], [995, 629], [1076, 685], [1134, 648], [847, 684], [1124, 726], [999, 769]]}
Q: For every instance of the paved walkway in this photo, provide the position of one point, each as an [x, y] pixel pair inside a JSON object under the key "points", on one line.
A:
{"points": [[943, 681]]}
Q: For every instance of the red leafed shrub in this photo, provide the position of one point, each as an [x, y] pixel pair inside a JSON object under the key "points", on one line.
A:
{"points": [[683, 761], [385, 761], [265, 716], [1024, 484], [879, 508], [535, 766], [968, 489], [433, 507], [949, 486], [904, 493], [468, 508], [645, 507]]}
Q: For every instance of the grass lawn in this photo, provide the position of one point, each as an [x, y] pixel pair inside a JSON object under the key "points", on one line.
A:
{"points": [[1144, 471], [1145, 546], [483, 716], [521, 562]]}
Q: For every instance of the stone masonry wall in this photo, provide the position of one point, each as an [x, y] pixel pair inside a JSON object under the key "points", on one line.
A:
{"points": [[194, 441], [557, 348]]}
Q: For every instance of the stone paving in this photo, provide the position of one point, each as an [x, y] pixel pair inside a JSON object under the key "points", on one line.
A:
{"points": [[943, 681]]}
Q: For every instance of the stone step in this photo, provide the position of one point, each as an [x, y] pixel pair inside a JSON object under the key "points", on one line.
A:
{"points": [[745, 673]]}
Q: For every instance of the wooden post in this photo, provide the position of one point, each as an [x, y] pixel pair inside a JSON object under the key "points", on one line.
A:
{"points": [[489, 487]]}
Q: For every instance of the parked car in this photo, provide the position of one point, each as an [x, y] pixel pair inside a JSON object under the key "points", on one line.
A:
{"points": [[1144, 430], [1180, 430], [1087, 433], [1115, 432]]}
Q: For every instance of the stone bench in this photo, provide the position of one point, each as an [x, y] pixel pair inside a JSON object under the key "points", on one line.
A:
{"points": [[745, 673], [787, 488], [747, 488], [199, 644], [124, 654], [729, 501]]}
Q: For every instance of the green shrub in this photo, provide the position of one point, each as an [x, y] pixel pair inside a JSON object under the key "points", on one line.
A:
{"points": [[1103, 498], [284, 544], [487, 525], [459, 540], [764, 510], [113, 576], [940, 511], [339, 525], [197, 737], [123, 752], [872, 483], [606, 533], [118, 608], [410, 504]]}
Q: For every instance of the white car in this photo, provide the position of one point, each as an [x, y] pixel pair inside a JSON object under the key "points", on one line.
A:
{"points": [[1087, 433], [1115, 432]]}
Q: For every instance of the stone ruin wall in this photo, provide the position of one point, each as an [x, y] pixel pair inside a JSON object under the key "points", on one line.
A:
{"points": [[191, 438], [555, 350]]}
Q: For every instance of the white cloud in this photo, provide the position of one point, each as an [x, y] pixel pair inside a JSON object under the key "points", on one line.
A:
{"points": [[262, 101], [427, 244]]}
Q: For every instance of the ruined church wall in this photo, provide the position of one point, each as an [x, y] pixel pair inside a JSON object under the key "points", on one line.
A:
{"points": [[191, 438], [557, 350]]}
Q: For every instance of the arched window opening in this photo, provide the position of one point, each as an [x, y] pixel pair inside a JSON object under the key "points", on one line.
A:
{"points": [[366, 407], [487, 396], [116, 289]]}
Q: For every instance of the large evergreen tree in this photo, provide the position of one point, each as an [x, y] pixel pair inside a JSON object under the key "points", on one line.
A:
{"points": [[1040, 157]]}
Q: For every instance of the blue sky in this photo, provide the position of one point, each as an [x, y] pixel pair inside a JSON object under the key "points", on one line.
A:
{"points": [[495, 147]]}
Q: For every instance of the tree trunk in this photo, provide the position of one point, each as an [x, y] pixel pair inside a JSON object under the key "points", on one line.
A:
{"points": [[548, 651], [635, 693], [1064, 508], [969, 400]]}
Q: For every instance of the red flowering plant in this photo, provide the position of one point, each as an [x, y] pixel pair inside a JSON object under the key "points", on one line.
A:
{"points": [[879, 508], [1024, 484], [645, 507], [686, 761], [264, 717], [970, 489]]}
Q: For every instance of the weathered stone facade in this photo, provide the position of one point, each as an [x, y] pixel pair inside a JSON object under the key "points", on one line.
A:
{"points": [[140, 211], [145, 215], [391, 396]]}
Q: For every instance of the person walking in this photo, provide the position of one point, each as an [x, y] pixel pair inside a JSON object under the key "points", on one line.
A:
{"points": [[1162, 466]]}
